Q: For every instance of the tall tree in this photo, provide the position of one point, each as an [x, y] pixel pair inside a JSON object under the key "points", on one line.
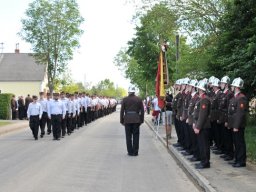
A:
{"points": [[53, 29], [236, 51], [140, 58]]}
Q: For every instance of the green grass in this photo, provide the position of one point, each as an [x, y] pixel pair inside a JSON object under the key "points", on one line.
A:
{"points": [[4, 123], [250, 138]]}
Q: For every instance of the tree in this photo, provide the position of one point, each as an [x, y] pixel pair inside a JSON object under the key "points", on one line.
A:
{"points": [[53, 29], [139, 60], [236, 51]]}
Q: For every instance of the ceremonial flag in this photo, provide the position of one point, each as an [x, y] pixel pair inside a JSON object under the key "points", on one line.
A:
{"points": [[160, 92]]}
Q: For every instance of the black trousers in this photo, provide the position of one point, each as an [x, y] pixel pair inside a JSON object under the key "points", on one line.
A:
{"points": [[177, 128], [194, 143], [49, 125], [85, 117], [56, 125], [43, 122], [132, 133], [240, 146], [204, 146], [70, 124], [14, 114], [187, 137], [64, 126], [228, 142], [34, 125]]}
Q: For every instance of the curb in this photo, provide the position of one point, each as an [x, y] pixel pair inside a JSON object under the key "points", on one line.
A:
{"points": [[13, 127], [200, 179]]}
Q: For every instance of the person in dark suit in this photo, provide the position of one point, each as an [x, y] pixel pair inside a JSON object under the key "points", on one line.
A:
{"points": [[21, 108], [237, 110], [14, 107], [202, 125], [132, 116]]}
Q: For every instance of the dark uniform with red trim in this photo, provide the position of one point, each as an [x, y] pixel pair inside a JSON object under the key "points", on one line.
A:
{"points": [[203, 124], [132, 116], [237, 111]]}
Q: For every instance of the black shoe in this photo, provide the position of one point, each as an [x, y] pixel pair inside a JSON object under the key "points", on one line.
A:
{"points": [[54, 139], [228, 158], [232, 162], [63, 136], [180, 149], [48, 133], [185, 153], [223, 156], [41, 136], [176, 145], [58, 139], [218, 152], [202, 166], [237, 165], [36, 138], [135, 154], [193, 159], [130, 154]]}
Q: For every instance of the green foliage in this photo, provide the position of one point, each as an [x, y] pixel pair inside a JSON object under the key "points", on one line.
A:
{"points": [[5, 106], [236, 50], [139, 60], [107, 88], [250, 138], [52, 28]]}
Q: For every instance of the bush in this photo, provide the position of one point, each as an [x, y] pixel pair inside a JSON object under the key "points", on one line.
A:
{"points": [[5, 106], [250, 138]]}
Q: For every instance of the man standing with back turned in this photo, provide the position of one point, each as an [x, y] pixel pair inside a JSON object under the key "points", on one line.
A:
{"points": [[132, 116]]}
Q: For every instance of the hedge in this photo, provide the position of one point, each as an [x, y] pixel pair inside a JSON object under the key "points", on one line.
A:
{"points": [[5, 106]]}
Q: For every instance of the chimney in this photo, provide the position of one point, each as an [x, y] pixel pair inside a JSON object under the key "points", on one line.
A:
{"points": [[17, 50]]}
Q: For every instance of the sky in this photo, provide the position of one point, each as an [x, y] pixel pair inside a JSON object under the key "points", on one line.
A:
{"points": [[107, 28]]}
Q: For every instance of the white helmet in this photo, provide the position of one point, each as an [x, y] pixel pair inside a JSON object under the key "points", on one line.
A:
{"points": [[202, 85], [205, 80], [238, 82], [225, 79], [185, 81], [131, 89], [178, 82], [211, 79], [193, 83], [216, 82]]}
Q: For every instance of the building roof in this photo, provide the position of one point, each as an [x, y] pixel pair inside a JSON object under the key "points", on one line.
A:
{"points": [[20, 67]]}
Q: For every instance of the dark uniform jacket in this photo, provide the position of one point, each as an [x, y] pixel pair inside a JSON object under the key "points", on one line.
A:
{"points": [[237, 110], [180, 105], [13, 104], [223, 106], [132, 110], [215, 102], [191, 107], [186, 101], [202, 111], [175, 103]]}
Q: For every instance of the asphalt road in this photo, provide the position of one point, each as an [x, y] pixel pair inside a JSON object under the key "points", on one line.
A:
{"points": [[93, 159]]}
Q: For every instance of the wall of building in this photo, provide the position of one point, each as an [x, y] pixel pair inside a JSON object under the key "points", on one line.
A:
{"points": [[22, 88]]}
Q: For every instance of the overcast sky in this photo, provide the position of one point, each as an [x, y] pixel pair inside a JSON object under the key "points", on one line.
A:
{"points": [[107, 28]]}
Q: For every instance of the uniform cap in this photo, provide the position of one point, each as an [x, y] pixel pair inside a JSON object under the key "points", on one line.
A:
{"points": [[193, 82], [185, 81], [131, 89], [225, 79], [216, 82], [211, 79], [202, 85], [238, 82]]}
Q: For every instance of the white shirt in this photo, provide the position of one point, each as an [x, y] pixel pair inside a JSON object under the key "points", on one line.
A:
{"points": [[34, 109], [56, 108], [71, 107], [43, 103]]}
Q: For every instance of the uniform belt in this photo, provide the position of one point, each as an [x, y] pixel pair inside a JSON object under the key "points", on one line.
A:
{"points": [[34, 115], [131, 112], [56, 114]]}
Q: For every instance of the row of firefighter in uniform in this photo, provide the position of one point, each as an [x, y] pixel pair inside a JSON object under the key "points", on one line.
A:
{"points": [[211, 114], [66, 112]]}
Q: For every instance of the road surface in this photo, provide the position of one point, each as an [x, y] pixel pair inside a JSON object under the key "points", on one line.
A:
{"points": [[93, 159]]}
